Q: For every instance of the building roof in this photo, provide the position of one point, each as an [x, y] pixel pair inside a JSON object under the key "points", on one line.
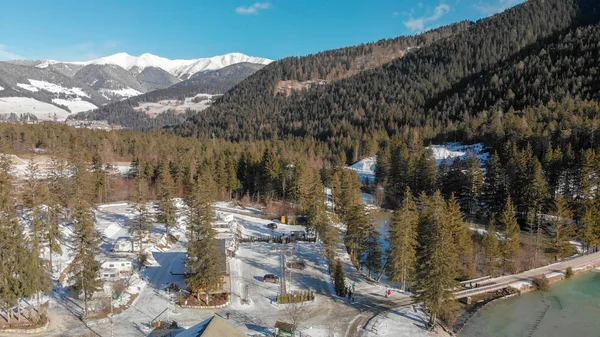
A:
{"points": [[212, 327]]}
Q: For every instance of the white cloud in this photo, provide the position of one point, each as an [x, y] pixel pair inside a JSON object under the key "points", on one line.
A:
{"points": [[254, 9], [6, 55], [418, 24], [495, 6]]}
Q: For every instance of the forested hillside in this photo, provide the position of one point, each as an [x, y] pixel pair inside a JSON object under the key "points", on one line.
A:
{"points": [[442, 88], [212, 82]]}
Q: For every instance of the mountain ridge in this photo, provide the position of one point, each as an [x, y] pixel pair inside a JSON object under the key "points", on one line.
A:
{"points": [[181, 68]]}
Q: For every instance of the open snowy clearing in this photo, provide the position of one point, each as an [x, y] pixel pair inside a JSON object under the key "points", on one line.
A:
{"points": [[26, 105], [365, 168], [152, 109], [327, 316], [75, 104]]}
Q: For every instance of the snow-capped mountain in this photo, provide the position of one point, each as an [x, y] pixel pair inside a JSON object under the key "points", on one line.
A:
{"points": [[46, 87], [182, 69]]}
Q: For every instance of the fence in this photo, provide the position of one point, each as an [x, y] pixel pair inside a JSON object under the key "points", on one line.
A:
{"points": [[278, 239]]}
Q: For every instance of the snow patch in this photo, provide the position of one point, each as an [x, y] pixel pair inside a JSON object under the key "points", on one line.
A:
{"points": [[451, 151], [125, 92], [75, 104], [26, 105], [55, 88], [1, 88], [28, 87], [365, 169]]}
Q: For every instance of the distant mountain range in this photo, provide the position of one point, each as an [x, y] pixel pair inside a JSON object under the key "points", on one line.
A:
{"points": [[52, 89]]}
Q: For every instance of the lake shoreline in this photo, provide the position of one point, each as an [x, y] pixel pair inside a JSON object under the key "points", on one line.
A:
{"points": [[553, 278]]}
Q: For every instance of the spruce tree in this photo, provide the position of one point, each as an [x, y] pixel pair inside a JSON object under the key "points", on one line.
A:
{"points": [[462, 238], [373, 255], [512, 236], [203, 255], [437, 257], [167, 210], [403, 241], [85, 270], [563, 231], [491, 250], [141, 224], [339, 280], [357, 223], [589, 233]]}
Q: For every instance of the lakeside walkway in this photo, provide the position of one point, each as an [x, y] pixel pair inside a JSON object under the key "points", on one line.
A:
{"points": [[590, 260]]}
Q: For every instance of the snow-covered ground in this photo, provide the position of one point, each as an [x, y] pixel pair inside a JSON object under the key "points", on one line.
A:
{"points": [[75, 104], [125, 93], [365, 169], [451, 151], [407, 321], [26, 105], [36, 85], [326, 316], [153, 109]]}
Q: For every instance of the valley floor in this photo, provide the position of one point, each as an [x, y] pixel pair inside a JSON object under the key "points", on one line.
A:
{"points": [[327, 316]]}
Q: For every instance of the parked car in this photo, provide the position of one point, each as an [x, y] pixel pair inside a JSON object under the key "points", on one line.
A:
{"points": [[272, 225], [271, 278]]}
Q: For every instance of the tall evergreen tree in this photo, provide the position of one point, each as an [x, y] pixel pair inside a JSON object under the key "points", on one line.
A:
{"points": [[563, 231], [589, 233], [85, 270], [141, 224], [203, 255], [357, 223], [512, 232], [491, 250], [339, 280], [461, 234], [167, 210], [403, 241], [437, 256]]}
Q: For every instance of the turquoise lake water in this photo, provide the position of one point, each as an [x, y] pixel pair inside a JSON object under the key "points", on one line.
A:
{"points": [[570, 308]]}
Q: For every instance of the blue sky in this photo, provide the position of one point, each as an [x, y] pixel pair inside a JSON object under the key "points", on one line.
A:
{"points": [[79, 30]]}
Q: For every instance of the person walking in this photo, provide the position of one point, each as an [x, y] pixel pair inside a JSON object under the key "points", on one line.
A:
{"points": [[389, 293]]}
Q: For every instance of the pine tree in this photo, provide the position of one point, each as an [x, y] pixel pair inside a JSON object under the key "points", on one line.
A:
{"points": [[357, 223], [141, 224], [349, 193], [167, 210], [203, 255], [474, 178], [437, 256], [339, 280], [373, 255], [85, 240], [403, 241], [590, 229], [491, 250], [512, 233], [564, 230], [425, 174], [270, 174], [462, 238]]}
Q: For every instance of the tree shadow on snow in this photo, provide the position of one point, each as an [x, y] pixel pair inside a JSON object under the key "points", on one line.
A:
{"points": [[261, 329]]}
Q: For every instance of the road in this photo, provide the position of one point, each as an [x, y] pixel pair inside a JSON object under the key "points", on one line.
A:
{"points": [[503, 281]]}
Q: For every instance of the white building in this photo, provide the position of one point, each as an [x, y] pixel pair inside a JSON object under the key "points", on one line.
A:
{"points": [[114, 268], [126, 244]]}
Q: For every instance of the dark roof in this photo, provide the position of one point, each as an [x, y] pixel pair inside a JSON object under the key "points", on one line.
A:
{"points": [[284, 326]]}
